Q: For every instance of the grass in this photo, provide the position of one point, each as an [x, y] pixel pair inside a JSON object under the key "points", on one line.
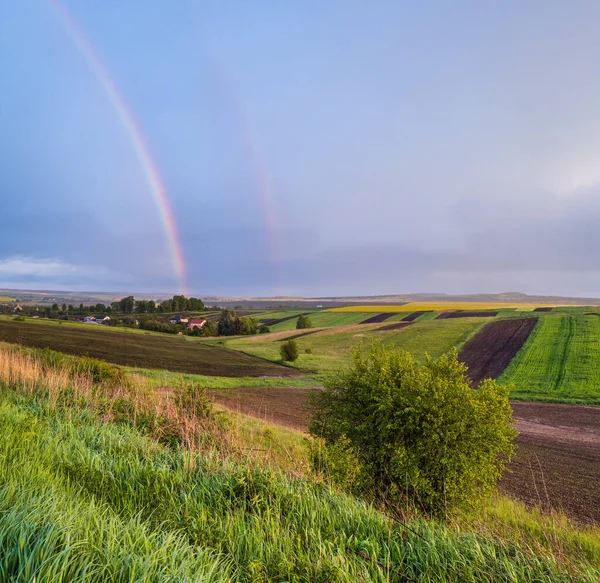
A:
{"points": [[164, 351], [559, 362], [328, 350], [324, 319], [83, 498], [440, 306]]}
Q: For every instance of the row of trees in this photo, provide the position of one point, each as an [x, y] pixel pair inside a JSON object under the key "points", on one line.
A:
{"points": [[129, 305]]}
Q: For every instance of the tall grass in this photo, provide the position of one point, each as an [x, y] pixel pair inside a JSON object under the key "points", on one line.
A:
{"points": [[89, 493]]}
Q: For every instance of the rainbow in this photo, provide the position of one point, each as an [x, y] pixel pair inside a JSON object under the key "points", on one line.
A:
{"points": [[262, 180], [149, 168]]}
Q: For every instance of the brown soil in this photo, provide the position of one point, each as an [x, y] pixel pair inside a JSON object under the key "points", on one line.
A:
{"points": [[415, 315], [147, 350], [378, 318], [395, 326], [557, 464], [542, 309], [464, 314], [492, 349], [286, 407]]}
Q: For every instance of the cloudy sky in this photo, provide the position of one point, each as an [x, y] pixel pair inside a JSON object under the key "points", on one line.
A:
{"points": [[307, 148]]}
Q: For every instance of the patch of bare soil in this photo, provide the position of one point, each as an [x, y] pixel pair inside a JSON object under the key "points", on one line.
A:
{"points": [[414, 315], [286, 407], [378, 318], [490, 351], [557, 465], [465, 314]]}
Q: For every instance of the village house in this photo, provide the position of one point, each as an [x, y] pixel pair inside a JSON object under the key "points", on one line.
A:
{"points": [[96, 320], [178, 320], [195, 324]]}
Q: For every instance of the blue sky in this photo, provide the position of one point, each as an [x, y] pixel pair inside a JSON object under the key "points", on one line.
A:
{"points": [[307, 148]]}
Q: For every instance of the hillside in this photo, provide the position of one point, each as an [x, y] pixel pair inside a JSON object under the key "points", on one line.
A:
{"points": [[90, 493]]}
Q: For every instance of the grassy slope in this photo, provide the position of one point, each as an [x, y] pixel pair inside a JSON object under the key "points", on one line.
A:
{"points": [[87, 501], [332, 349], [154, 350], [325, 319], [559, 362]]}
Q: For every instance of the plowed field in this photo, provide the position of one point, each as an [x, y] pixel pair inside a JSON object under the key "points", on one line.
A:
{"points": [[378, 318], [166, 352], [465, 314], [557, 464], [491, 350]]}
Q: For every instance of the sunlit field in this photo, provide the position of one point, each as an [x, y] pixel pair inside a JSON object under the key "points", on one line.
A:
{"points": [[443, 306]]}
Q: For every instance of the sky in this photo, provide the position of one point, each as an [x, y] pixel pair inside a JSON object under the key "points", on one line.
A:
{"points": [[301, 148]]}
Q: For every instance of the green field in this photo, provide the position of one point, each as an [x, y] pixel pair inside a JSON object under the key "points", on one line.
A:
{"points": [[328, 350], [559, 362]]}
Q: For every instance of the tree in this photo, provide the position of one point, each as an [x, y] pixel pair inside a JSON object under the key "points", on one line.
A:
{"points": [[264, 329], [303, 322], [210, 329], [248, 326], [126, 305], [55, 307], [64, 307], [229, 324], [420, 434], [289, 351]]}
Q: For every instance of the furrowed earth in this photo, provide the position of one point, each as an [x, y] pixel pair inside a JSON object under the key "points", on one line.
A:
{"points": [[167, 352]]}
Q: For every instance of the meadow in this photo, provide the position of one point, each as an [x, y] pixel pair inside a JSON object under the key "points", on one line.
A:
{"points": [[324, 351], [443, 306], [90, 494], [559, 362]]}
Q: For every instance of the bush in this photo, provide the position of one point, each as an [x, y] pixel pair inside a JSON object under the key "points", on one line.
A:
{"points": [[303, 322], [264, 329], [289, 351], [421, 434]]}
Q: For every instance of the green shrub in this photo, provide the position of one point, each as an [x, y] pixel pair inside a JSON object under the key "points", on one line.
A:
{"points": [[422, 435], [264, 329], [289, 351], [303, 322]]}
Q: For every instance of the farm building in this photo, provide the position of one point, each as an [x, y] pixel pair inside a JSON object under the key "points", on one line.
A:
{"points": [[178, 320], [195, 324], [96, 320]]}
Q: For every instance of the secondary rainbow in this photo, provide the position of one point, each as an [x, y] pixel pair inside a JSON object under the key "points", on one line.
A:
{"points": [[127, 119]]}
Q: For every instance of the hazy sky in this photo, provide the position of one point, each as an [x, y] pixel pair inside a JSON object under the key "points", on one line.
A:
{"points": [[307, 148]]}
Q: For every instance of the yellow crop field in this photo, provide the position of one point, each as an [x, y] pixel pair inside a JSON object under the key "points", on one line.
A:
{"points": [[439, 307], [6, 299]]}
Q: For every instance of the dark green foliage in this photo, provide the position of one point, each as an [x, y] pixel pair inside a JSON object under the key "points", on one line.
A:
{"points": [[421, 434], [264, 329], [248, 326], [156, 326], [229, 324], [303, 322], [289, 351], [210, 329]]}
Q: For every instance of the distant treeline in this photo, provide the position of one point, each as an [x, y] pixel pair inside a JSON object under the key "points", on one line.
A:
{"points": [[127, 305]]}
